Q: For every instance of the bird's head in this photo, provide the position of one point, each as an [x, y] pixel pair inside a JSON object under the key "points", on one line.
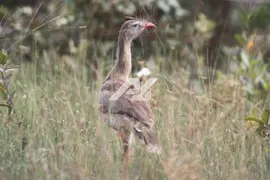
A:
{"points": [[131, 29]]}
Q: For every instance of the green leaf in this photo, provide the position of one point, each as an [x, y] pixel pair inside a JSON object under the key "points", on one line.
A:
{"points": [[3, 93], [241, 40], [244, 58], [265, 116], [3, 57], [266, 86], [260, 18], [255, 62], [203, 24], [3, 11], [251, 118], [245, 17]]}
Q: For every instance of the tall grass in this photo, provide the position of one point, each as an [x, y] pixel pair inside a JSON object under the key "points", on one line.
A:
{"points": [[58, 134]]}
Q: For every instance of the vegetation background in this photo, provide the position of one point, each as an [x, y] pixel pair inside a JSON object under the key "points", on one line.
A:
{"points": [[211, 58]]}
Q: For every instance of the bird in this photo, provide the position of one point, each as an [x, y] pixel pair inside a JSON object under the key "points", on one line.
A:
{"points": [[126, 114]]}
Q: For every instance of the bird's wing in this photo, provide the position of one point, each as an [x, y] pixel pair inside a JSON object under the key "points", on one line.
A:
{"points": [[138, 109]]}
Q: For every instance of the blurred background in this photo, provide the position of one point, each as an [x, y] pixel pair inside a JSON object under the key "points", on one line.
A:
{"points": [[211, 101], [203, 36]]}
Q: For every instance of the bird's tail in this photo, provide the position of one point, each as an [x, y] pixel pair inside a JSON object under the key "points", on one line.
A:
{"points": [[149, 138]]}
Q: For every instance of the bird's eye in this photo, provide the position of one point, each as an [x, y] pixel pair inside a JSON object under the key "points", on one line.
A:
{"points": [[135, 25]]}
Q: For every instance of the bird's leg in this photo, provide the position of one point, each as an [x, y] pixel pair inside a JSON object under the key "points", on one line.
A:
{"points": [[126, 137], [126, 146]]}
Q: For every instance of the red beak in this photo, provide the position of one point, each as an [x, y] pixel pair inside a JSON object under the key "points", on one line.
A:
{"points": [[149, 25]]}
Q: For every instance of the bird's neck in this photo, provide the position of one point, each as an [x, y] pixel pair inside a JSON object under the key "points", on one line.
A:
{"points": [[123, 64]]}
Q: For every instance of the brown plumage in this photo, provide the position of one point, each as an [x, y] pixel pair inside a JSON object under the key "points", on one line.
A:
{"points": [[125, 114]]}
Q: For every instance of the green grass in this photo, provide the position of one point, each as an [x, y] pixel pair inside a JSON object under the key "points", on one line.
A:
{"points": [[202, 136]]}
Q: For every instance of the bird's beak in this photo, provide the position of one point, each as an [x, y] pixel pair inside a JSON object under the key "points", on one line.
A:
{"points": [[149, 25]]}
